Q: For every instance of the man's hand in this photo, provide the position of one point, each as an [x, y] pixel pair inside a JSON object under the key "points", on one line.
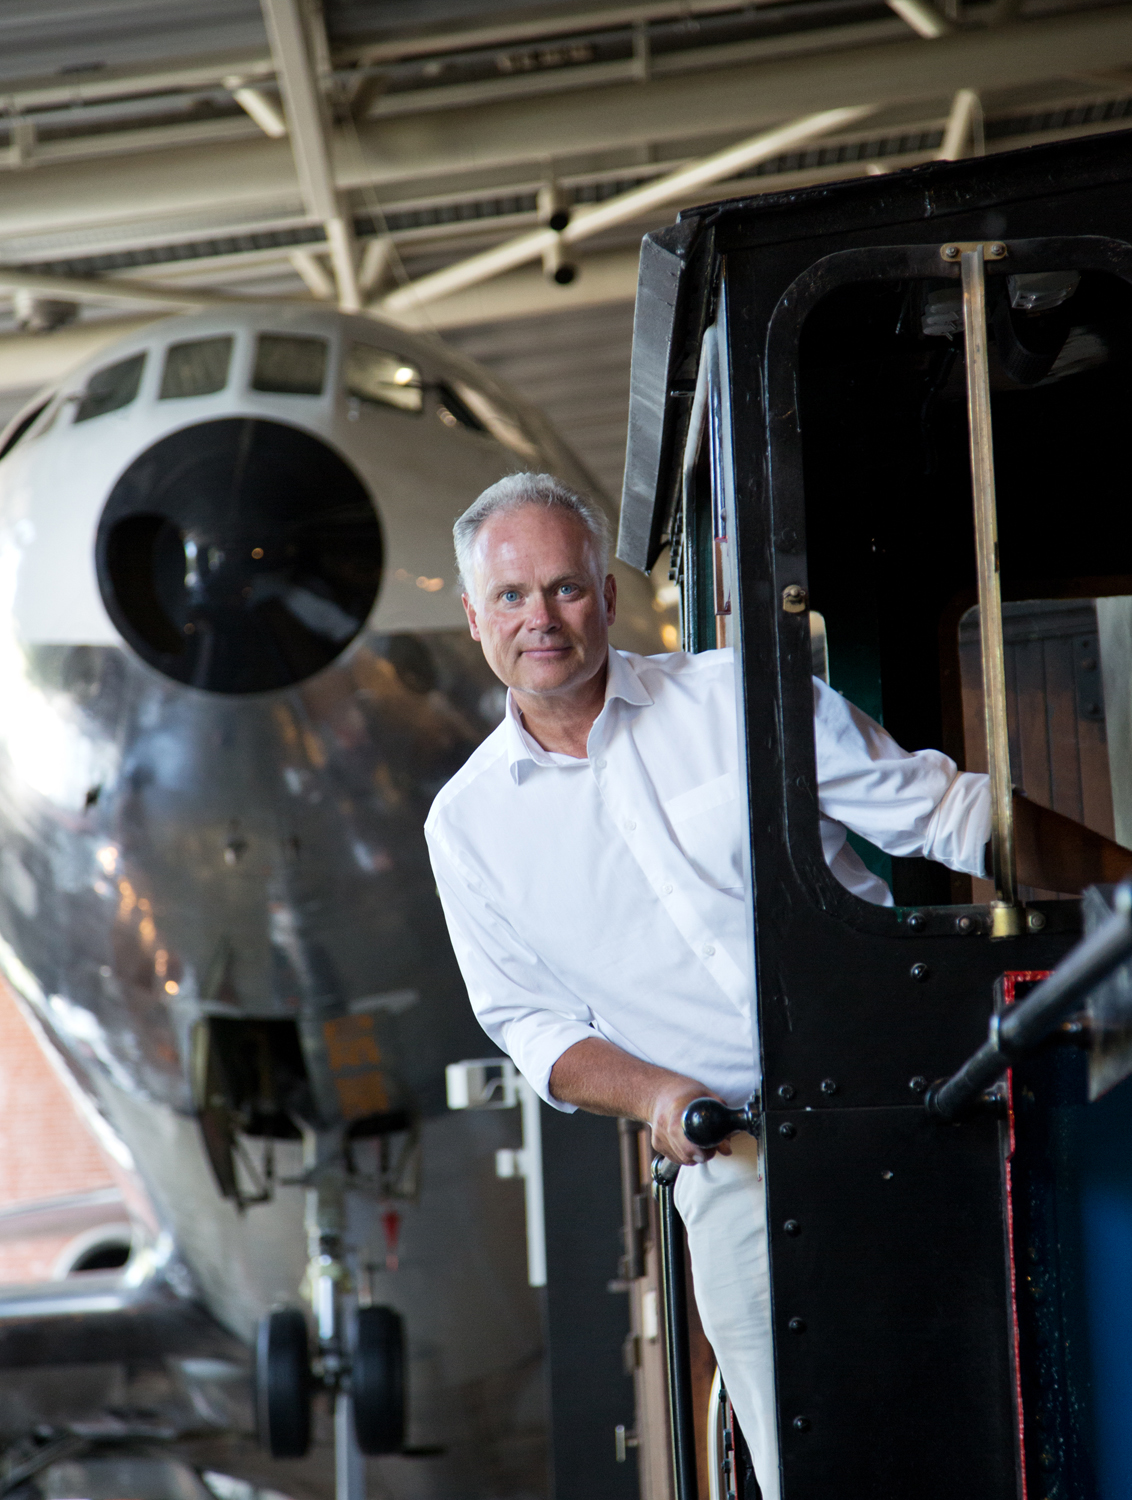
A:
{"points": [[597, 1076], [669, 1103]]}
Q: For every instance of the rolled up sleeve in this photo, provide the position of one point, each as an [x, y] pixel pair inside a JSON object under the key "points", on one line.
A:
{"points": [[905, 802], [525, 1010]]}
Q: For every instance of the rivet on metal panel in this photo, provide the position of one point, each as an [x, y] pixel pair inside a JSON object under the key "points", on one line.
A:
{"points": [[792, 1227], [801, 1424], [965, 924], [828, 1086], [797, 1325], [916, 920], [919, 972], [787, 1131], [996, 250], [786, 1091], [794, 599], [1035, 920], [918, 1084]]}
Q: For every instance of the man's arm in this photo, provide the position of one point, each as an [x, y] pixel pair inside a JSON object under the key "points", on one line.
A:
{"points": [[1056, 854], [598, 1077]]}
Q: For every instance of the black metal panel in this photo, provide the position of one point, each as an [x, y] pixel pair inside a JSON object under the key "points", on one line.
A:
{"points": [[903, 1379], [590, 1392], [665, 350], [890, 1302]]}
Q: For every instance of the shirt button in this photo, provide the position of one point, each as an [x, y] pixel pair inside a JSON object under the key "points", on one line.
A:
{"points": [[708, 950], [629, 825], [667, 889], [599, 765]]}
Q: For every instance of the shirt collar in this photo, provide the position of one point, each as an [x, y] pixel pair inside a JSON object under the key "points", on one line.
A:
{"points": [[621, 683]]}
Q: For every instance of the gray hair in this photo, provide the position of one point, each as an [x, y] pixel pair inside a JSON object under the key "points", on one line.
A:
{"points": [[512, 493]]}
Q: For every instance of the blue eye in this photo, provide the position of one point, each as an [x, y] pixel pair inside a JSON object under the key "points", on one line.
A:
{"points": [[510, 596]]}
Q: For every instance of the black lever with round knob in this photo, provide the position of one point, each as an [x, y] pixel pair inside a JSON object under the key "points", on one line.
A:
{"points": [[707, 1122]]}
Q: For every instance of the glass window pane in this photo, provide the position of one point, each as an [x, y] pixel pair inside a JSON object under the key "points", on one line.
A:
{"points": [[375, 375], [289, 366], [196, 368], [111, 388]]}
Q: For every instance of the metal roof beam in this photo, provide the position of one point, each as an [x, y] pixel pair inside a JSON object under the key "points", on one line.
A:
{"points": [[308, 125], [107, 289], [457, 151], [625, 207]]}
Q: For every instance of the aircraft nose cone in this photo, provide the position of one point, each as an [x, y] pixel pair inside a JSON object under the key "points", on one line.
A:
{"points": [[239, 555]]}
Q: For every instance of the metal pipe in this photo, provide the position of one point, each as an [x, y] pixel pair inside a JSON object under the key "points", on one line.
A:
{"points": [[621, 209], [1006, 917], [716, 1453], [1028, 1023], [677, 1353]]}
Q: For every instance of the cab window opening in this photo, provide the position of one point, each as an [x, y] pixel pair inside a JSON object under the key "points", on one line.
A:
{"points": [[888, 514]]}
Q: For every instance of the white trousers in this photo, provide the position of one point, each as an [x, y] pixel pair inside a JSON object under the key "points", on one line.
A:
{"points": [[723, 1206]]}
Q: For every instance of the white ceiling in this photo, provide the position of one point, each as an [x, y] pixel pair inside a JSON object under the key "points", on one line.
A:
{"points": [[126, 156]]}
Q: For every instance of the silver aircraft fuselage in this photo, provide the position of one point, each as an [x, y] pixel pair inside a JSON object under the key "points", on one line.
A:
{"points": [[234, 671]]}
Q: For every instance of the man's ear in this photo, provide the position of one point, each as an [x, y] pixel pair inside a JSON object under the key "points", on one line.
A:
{"points": [[470, 611], [610, 592]]}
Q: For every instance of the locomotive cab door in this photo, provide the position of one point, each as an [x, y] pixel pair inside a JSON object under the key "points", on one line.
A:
{"points": [[891, 444]]}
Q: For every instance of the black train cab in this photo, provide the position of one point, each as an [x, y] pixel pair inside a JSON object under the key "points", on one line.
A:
{"points": [[884, 429]]}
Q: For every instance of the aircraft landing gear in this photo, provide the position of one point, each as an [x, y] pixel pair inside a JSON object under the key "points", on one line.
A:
{"points": [[377, 1380], [283, 1383], [357, 1355], [373, 1376]]}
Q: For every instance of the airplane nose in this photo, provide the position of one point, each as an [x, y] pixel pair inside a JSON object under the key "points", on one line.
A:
{"points": [[239, 555]]}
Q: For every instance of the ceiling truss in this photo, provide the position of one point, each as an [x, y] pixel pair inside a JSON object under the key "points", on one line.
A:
{"points": [[394, 170]]}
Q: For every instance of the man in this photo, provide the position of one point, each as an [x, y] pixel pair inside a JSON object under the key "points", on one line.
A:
{"points": [[589, 859]]}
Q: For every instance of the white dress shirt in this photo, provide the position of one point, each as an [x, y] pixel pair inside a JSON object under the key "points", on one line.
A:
{"points": [[604, 896]]}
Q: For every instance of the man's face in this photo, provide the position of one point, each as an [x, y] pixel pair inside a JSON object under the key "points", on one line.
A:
{"points": [[542, 611]]}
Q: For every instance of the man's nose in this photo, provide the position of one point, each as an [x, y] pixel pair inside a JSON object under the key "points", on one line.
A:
{"points": [[541, 614]]}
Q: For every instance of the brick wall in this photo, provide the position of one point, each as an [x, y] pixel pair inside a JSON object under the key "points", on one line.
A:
{"points": [[46, 1148]]}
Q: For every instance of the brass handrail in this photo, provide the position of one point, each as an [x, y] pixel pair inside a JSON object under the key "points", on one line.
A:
{"points": [[1006, 911]]}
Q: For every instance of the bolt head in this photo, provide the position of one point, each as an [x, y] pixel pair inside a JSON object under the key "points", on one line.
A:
{"points": [[1035, 920], [916, 920], [919, 972], [950, 252], [787, 1131], [828, 1086], [797, 1325], [792, 1227], [998, 249], [965, 924], [801, 1424], [919, 1084], [786, 1091]]}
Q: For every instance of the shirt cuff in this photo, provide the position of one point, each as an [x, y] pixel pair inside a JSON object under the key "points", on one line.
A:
{"points": [[961, 825], [534, 1044]]}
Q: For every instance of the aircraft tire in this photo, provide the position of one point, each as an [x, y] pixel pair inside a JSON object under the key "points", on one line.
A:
{"points": [[283, 1383], [377, 1383]]}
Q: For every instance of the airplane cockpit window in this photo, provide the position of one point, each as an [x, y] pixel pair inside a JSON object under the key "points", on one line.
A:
{"points": [[466, 406], [21, 424], [111, 388], [387, 379], [287, 365], [198, 367]]}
